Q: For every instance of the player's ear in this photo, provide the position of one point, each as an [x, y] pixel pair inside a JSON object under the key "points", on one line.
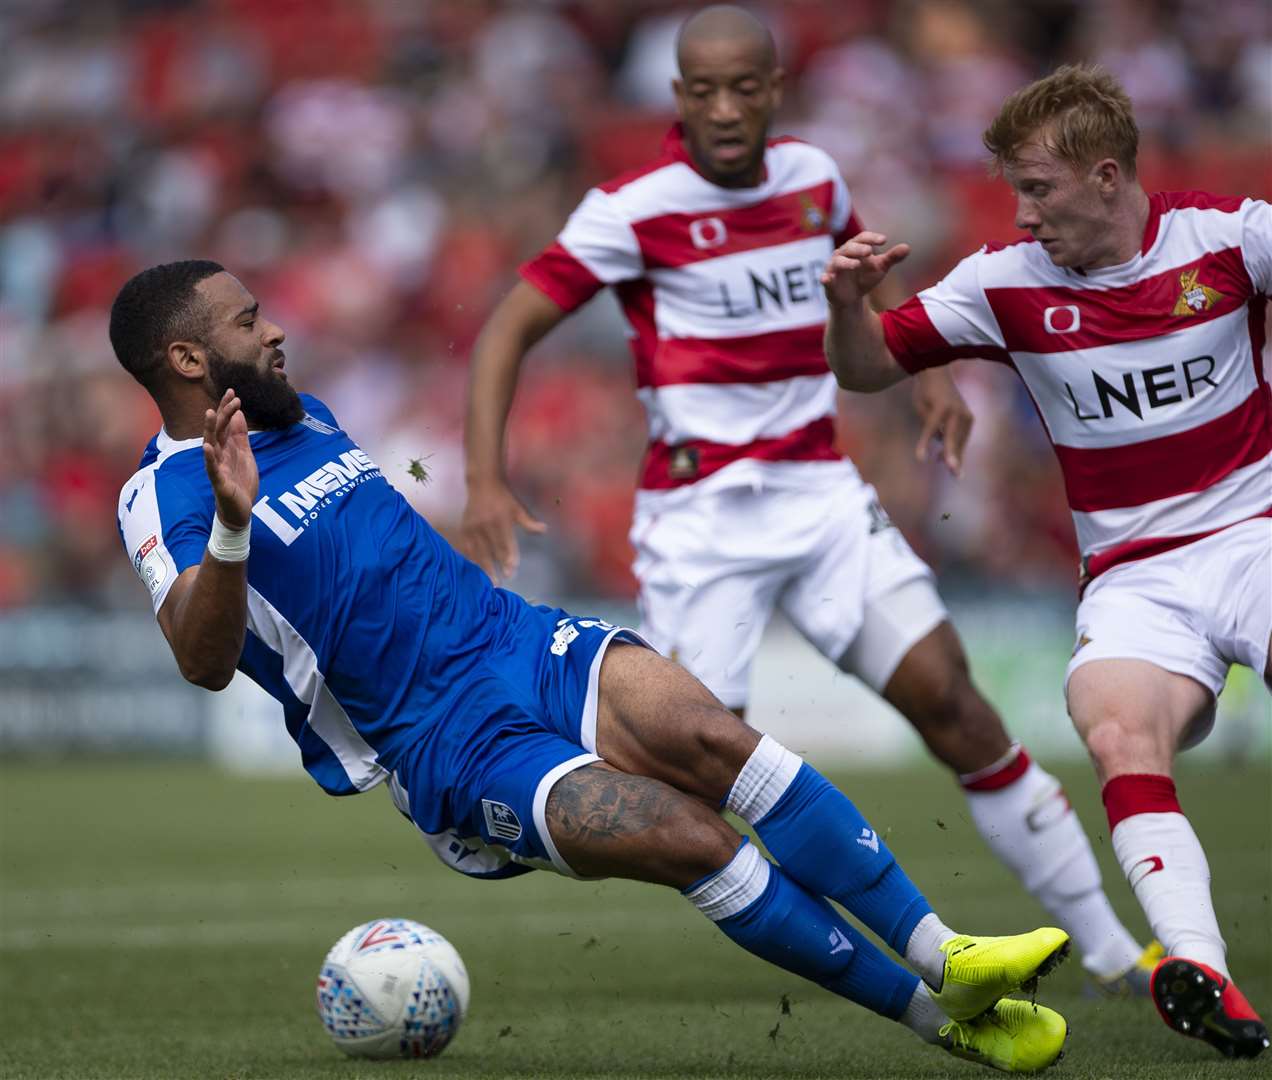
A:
{"points": [[777, 82], [187, 360], [678, 89], [1108, 176]]}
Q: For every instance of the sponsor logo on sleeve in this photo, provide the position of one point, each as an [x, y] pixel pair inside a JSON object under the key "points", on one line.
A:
{"points": [[147, 546], [149, 563]]}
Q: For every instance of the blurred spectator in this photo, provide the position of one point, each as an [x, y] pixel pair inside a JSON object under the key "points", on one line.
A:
{"points": [[377, 170]]}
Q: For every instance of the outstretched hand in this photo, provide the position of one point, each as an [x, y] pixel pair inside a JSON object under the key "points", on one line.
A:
{"points": [[854, 268], [231, 465], [946, 418], [487, 533]]}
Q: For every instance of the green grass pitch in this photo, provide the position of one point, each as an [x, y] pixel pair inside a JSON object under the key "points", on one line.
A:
{"points": [[168, 920]]}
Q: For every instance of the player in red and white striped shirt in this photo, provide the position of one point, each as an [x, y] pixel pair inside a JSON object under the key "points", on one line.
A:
{"points": [[714, 251], [1137, 324]]}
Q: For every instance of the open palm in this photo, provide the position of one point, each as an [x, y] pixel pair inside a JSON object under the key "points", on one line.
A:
{"points": [[231, 465]]}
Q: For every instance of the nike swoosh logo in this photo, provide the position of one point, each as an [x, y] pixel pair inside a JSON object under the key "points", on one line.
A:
{"points": [[1150, 865]]}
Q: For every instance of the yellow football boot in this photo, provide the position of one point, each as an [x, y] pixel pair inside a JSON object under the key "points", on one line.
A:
{"points": [[980, 970], [1014, 1036]]}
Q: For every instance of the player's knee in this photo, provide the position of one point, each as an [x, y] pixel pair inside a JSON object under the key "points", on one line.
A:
{"points": [[697, 846], [950, 702], [1113, 741], [723, 741]]}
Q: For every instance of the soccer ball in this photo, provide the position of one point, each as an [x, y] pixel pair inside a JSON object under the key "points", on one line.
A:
{"points": [[392, 988]]}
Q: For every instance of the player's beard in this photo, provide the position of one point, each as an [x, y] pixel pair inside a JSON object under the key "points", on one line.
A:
{"points": [[268, 399]]}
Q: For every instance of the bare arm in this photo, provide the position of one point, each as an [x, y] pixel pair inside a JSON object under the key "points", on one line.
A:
{"points": [[487, 532], [204, 616], [855, 347], [946, 419]]}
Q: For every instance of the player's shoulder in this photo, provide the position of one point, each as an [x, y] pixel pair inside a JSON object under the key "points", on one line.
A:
{"points": [[794, 164], [1200, 214], [1164, 201], [1000, 263], [170, 484], [1183, 225], [171, 457], [1004, 250], [666, 159], [791, 146]]}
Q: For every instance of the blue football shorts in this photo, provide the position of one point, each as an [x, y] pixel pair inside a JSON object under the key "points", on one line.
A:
{"points": [[477, 782]]}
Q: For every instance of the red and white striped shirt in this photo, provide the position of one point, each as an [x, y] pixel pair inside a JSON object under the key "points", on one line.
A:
{"points": [[720, 290], [1148, 376]]}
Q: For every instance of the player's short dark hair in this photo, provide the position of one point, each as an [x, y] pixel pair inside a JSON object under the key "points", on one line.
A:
{"points": [[154, 309]]}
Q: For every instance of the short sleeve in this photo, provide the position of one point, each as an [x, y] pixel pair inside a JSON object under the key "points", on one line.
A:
{"points": [[597, 247], [164, 526], [1256, 243], [950, 321], [844, 222]]}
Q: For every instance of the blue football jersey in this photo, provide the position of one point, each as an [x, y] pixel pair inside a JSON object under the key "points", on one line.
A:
{"points": [[361, 619]]}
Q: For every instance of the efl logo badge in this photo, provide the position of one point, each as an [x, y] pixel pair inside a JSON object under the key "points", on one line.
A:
{"points": [[501, 821], [1195, 298], [707, 233], [150, 565], [147, 546], [1065, 319]]}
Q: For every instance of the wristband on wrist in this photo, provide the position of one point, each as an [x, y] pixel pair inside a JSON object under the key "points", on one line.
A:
{"points": [[226, 544]]}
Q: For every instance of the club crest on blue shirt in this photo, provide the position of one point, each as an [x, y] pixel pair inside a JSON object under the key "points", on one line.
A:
{"points": [[501, 820]]}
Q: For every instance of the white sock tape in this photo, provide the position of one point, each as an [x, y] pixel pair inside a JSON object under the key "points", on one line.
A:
{"points": [[229, 545]]}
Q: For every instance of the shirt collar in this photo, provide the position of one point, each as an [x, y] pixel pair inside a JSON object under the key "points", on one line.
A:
{"points": [[674, 147]]}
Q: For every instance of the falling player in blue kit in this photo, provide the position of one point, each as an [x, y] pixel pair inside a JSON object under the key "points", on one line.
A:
{"points": [[514, 736]]}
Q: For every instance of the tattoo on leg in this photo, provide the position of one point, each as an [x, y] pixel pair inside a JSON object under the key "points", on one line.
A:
{"points": [[595, 803]]}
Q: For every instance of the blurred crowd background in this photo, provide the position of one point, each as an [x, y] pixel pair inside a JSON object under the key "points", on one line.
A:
{"points": [[375, 170]]}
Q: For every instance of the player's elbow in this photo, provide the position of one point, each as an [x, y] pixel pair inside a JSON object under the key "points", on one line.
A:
{"points": [[862, 380], [849, 379], [209, 677]]}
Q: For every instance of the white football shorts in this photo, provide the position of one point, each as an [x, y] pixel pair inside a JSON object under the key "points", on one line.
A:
{"points": [[1196, 610], [713, 568]]}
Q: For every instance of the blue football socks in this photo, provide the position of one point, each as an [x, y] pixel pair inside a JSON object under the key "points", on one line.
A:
{"points": [[821, 840], [768, 914]]}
